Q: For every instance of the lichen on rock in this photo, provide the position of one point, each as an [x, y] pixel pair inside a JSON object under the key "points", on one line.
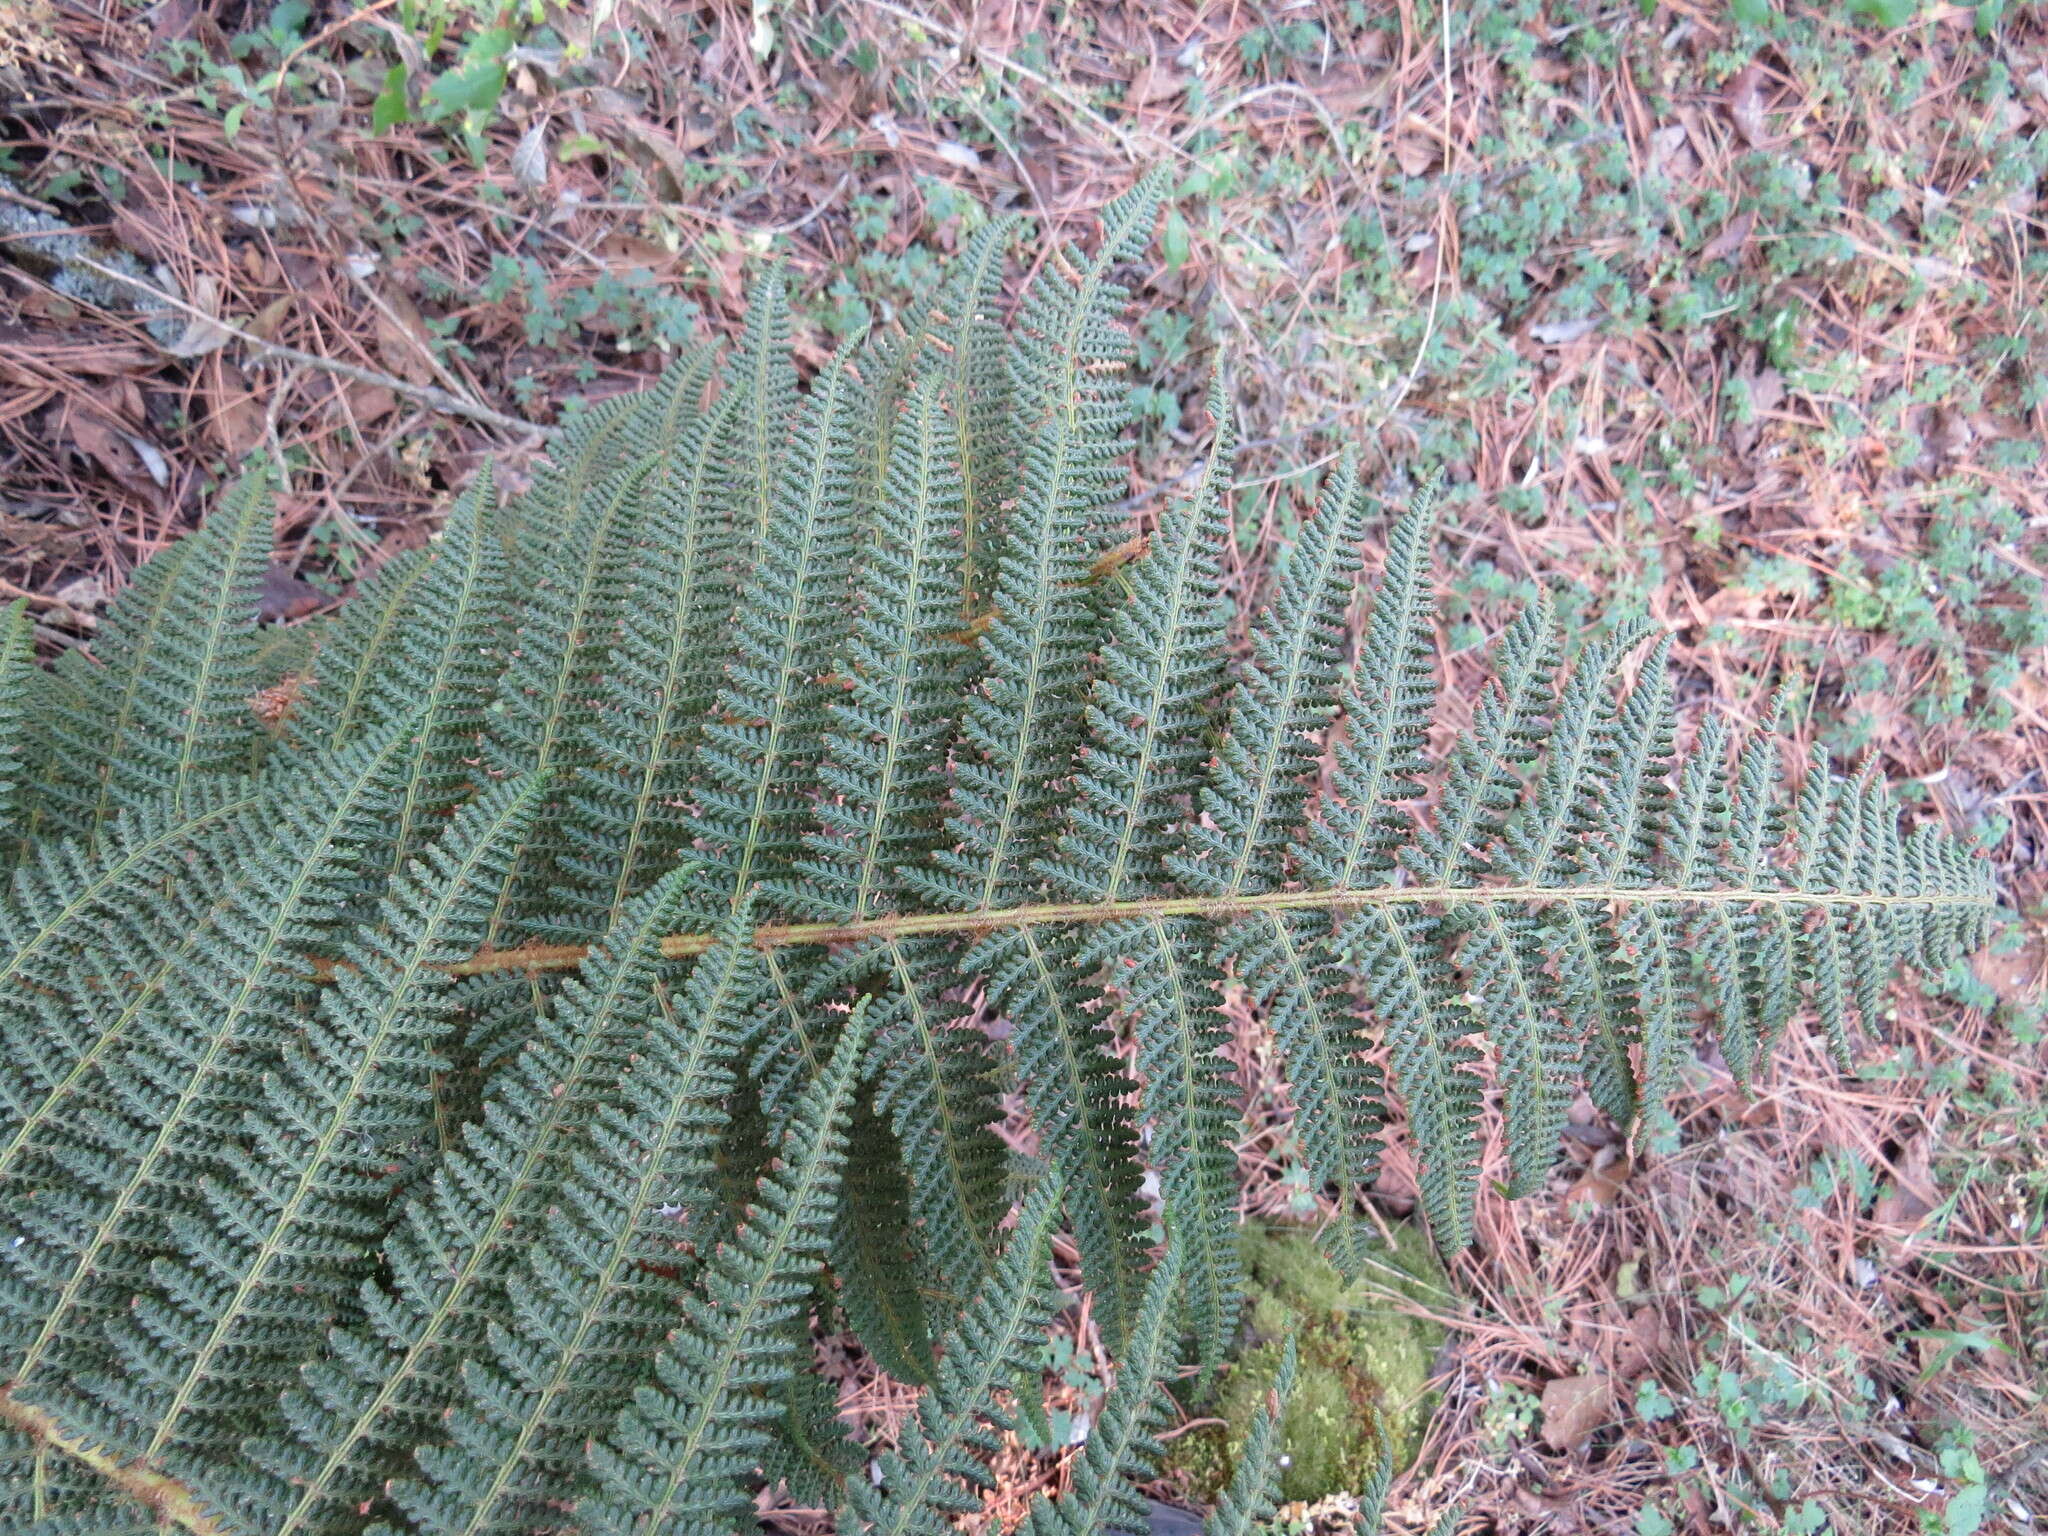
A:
{"points": [[1364, 1365]]}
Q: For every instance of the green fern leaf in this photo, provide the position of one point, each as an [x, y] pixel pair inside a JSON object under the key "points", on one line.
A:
{"points": [[759, 747], [591, 1299], [163, 1016], [675, 1460], [164, 700], [267, 1248], [381, 1386], [1254, 1490], [1121, 1449], [928, 1477]]}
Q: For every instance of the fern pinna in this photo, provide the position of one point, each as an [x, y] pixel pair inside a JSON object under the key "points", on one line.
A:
{"points": [[452, 1110]]}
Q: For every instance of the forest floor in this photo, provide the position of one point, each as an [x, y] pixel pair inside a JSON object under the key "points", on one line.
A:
{"points": [[1724, 316]]}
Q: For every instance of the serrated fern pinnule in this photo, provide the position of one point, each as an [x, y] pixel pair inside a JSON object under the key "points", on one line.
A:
{"points": [[676, 1460], [446, 661], [625, 821], [380, 1386], [1078, 1093], [1021, 726], [761, 744], [762, 376], [1122, 1450], [937, 1469], [349, 689], [875, 1253], [688, 905], [19, 685], [166, 1011], [1254, 1491], [900, 672], [274, 1240], [163, 701], [600, 1280]]}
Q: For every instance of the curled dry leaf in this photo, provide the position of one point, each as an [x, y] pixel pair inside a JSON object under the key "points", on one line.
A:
{"points": [[202, 335], [1573, 1407], [1744, 99]]}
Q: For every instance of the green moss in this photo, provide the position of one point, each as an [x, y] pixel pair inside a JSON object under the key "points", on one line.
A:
{"points": [[1364, 1365]]}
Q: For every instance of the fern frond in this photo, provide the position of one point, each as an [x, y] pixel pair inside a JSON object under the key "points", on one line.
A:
{"points": [[330, 1218], [164, 699], [934, 1472], [381, 1386], [1254, 1490], [760, 745], [18, 688], [1021, 729], [674, 1463], [624, 817], [348, 691], [902, 668], [1121, 1450], [1068, 1072], [592, 1297], [266, 1249], [159, 1018]]}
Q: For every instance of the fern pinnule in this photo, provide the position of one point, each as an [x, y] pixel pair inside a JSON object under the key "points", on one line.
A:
{"points": [[1070, 1077], [761, 376], [877, 1255], [1254, 1490], [348, 690], [165, 1012], [380, 1386], [937, 1470], [595, 1291], [624, 822], [902, 669], [19, 685], [268, 1246], [675, 1460], [163, 702], [1121, 1450], [761, 744], [446, 660]]}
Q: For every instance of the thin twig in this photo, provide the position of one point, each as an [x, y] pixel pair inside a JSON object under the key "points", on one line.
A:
{"points": [[426, 394]]}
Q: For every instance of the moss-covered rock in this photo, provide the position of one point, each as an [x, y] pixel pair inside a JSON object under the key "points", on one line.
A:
{"points": [[1364, 1367]]}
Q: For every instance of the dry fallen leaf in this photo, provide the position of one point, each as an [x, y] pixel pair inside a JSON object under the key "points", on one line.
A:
{"points": [[1744, 99], [284, 596], [1156, 82], [1573, 1407], [1602, 1183], [1562, 333], [402, 338], [237, 422], [201, 336]]}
